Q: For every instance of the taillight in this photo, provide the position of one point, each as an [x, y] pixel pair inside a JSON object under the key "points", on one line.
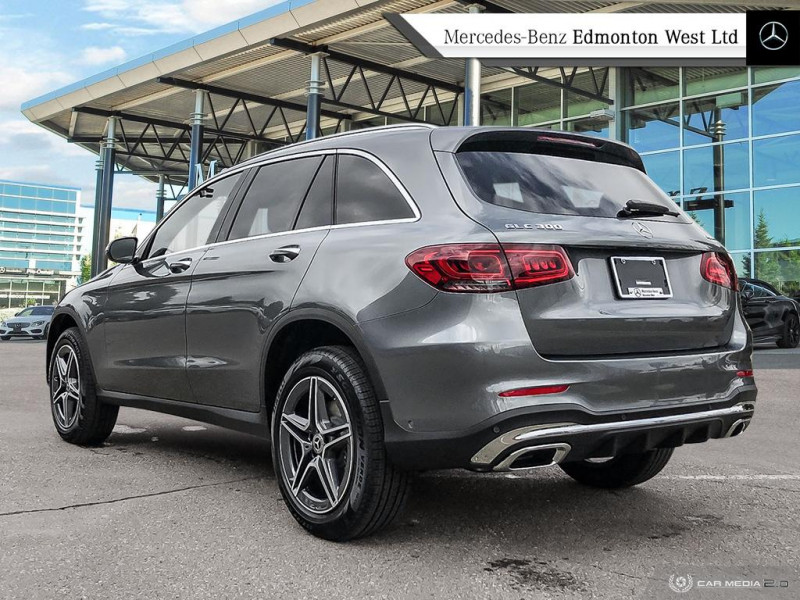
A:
{"points": [[717, 267], [489, 267]]}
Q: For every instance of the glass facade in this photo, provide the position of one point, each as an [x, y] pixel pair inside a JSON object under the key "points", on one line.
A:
{"points": [[725, 144], [39, 242]]}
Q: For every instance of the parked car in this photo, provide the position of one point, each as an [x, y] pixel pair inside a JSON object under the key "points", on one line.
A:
{"points": [[771, 316], [413, 298], [33, 321]]}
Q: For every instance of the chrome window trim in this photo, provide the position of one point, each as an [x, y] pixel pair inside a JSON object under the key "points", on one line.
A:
{"points": [[268, 161]]}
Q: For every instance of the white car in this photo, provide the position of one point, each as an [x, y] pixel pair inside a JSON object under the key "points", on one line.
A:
{"points": [[33, 321]]}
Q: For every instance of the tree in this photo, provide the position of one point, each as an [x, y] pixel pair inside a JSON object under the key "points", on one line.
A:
{"points": [[86, 268]]}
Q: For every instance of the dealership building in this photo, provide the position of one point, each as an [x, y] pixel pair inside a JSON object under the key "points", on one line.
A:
{"points": [[724, 142], [40, 239]]}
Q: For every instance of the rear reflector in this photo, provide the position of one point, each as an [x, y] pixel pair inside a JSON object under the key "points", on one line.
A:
{"points": [[743, 374], [717, 267], [534, 391], [489, 267]]}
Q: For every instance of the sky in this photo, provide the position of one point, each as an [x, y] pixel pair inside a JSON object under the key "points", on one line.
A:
{"points": [[45, 45]]}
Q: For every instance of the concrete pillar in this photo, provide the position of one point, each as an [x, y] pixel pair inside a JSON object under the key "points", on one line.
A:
{"points": [[99, 261], [196, 147], [160, 196], [472, 84], [314, 96]]}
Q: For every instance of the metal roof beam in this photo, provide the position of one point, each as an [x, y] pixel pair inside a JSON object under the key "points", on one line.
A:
{"points": [[228, 93], [365, 64], [530, 73], [171, 124]]}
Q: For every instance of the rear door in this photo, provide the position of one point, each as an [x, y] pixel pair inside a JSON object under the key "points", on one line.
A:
{"points": [[145, 312], [637, 286], [245, 282]]}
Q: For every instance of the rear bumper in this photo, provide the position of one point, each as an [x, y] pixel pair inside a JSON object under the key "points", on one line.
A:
{"points": [[567, 433]]}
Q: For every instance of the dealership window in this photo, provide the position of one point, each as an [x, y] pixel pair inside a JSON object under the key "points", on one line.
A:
{"points": [[496, 107], [654, 127], [536, 103], [776, 161], [716, 168], [715, 118], [775, 108], [664, 168], [652, 84]]}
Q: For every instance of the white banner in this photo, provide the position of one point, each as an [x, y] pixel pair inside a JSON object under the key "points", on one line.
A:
{"points": [[569, 36]]}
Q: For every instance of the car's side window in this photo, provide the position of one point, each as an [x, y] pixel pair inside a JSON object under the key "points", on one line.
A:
{"points": [[365, 193], [193, 223], [317, 209], [274, 196]]}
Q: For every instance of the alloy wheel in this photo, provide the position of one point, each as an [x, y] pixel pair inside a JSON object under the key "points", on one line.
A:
{"points": [[65, 387], [794, 332], [316, 445]]}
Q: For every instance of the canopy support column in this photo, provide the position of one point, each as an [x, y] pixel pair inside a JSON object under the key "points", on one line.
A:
{"points": [[472, 84], [314, 96], [98, 202], [160, 196], [99, 260], [196, 147]]}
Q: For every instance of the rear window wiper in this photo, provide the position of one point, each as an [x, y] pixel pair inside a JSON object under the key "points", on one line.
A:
{"points": [[641, 208]]}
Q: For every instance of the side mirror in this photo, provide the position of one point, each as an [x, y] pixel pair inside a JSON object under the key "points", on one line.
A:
{"points": [[747, 293], [122, 250]]}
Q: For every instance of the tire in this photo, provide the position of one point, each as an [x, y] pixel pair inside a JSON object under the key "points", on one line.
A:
{"points": [[621, 471], [790, 338], [78, 415], [347, 487]]}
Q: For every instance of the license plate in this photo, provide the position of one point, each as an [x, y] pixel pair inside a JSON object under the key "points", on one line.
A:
{"points": [[641, 277]]}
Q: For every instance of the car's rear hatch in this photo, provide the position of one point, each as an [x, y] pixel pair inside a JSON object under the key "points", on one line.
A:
{"points": [[637, 288]]}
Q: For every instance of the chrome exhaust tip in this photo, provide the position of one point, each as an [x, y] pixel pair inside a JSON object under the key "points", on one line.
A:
{"points": [[534, 457], [738, 427]]}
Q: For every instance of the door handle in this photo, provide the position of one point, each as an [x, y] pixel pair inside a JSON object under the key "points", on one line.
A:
{"points": [[179, 266], [285, 253]]}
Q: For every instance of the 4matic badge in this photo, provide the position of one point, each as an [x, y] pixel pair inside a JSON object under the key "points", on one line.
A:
{"points": [[550, 226]]}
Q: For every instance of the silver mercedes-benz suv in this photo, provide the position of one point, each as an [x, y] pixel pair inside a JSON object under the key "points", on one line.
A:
{"points": [[413, 298]]}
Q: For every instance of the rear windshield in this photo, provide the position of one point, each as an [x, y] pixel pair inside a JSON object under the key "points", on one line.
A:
{"points": [[556, 185]]}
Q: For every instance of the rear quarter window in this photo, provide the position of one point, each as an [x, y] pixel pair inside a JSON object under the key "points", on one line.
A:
{"points": [[364, 193], [557, 185]]}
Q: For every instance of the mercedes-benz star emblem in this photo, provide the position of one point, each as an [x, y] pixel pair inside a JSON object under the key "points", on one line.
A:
{"points": [[642, 229], [773, 35]]}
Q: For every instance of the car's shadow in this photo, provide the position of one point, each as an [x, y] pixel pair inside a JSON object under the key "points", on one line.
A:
{"points": [[543, 511]]}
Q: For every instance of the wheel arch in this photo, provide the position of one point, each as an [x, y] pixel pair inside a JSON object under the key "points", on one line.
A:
{"points": [[303, 329], [62, 320]]}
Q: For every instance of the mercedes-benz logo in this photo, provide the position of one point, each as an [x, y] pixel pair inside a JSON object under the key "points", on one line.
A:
{"points": [[642, 229], [773, 35]]}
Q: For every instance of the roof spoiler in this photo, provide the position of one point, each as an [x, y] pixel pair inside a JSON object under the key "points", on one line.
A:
{"points": [[534, 141]]}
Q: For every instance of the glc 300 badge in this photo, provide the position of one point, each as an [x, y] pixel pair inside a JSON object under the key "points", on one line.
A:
{"points": [[550, 226]]}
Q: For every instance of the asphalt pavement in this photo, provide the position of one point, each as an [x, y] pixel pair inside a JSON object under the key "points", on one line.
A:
{"points": [[171, 508]]}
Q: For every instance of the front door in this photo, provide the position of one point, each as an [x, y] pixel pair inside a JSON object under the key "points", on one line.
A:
{"points": [[146, 308]]}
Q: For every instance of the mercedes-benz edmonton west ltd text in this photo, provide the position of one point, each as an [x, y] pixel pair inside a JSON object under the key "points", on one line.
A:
{"points": [[413, 298]]}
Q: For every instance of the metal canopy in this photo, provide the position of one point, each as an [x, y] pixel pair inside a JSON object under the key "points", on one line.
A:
{"points": [[255, 72]]}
